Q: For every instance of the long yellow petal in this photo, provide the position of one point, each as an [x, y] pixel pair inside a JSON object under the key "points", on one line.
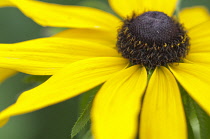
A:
{"points": [[47, 14], [200, 45], [166, 6], [70, 81], [101, 36], [6, 73], [200, 15], [46, 55], [5, 3], [126, 8], [195, 79], [162, 115], [117, 105], [202, 58], [199, 34]]}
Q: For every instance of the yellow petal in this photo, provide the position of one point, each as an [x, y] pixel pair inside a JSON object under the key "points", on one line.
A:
{"points": [[47, 14], [3, 122], [195, 79], [199, 34], [5, 3], [46, 55], [70, 81], [162, 115], [166, 6], [116, 107], [126, 8], [199, 38], [202, 58], [193, 16], [200, 45], [101, 36], [6, 73]]}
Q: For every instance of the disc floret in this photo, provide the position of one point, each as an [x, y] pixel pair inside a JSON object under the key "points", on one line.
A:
{"points": [[152, 39]]}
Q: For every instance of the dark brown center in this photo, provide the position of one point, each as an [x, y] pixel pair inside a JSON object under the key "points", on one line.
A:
{"points": [[152, 39]]}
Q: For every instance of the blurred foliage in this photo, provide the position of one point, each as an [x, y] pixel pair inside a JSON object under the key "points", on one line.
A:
{"points": [[54, 122]]}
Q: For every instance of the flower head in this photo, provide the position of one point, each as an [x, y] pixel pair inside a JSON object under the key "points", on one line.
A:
{"points": [[101, 49]]}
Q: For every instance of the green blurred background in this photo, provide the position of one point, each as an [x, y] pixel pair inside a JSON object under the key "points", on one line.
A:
{"points": [[54, 122]]}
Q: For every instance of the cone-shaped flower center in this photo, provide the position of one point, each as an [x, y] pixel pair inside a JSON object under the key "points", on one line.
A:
{"points": [[152, 39]]}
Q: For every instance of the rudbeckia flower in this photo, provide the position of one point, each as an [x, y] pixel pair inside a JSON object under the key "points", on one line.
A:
{"points": [[121, 53]]}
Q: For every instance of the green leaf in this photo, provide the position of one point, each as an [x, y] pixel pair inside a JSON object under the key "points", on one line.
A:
{"points": [[189, 112], [198, 120], [82, 121], [88, 135], [87, 97], [204, 122], [84, 118], [190, 130]]}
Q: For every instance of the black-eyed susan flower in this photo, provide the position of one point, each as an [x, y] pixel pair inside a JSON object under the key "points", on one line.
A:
{"points": [[121, 53]]}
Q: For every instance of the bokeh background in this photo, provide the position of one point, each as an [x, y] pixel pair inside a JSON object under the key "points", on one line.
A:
{"points": [[54, 122]]}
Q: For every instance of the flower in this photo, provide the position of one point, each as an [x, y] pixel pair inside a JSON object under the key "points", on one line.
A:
{"points": [[80, 59]]}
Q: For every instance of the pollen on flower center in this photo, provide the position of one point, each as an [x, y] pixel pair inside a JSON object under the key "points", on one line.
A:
{"points": [[152, 39]]}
